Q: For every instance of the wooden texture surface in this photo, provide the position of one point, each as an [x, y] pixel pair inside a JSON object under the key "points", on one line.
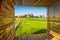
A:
{"points": [[35, 2], [33, 37], [54, 19], [6, 20]]}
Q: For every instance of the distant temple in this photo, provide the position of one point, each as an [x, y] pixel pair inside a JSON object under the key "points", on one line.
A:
{"points": [[28, 15], [25, 16]]}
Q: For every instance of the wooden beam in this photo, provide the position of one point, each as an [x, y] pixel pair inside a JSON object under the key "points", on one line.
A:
{"points": [[23, 2], [37, 2]]}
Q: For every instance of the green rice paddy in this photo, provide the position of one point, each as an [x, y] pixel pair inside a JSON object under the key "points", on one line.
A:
{"points": [[31, 26]]}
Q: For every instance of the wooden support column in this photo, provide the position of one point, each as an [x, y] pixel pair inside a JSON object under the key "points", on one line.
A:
{"points": [[6, 20], [54, 19]]}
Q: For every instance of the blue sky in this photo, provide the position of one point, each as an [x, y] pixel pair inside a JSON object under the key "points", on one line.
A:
{"points": [[36, 11]]}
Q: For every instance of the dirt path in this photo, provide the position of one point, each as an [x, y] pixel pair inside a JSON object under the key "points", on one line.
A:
{"points": [[18, 23]]}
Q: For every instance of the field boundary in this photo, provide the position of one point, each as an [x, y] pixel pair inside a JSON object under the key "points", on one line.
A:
{"points": [[16, 25]]}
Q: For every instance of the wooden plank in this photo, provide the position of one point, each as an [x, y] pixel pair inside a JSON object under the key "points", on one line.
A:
{"points": [[56, 36], [24, 38], [42, 36], [36, 38], [20, 38], [29, 37], [17, 38], [33, 37]]}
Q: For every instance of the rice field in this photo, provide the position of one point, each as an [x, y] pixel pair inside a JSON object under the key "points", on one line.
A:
{"points": [[30, 26]]}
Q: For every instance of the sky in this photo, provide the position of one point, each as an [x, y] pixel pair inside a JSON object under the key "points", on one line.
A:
{"points": [[36, 11]]}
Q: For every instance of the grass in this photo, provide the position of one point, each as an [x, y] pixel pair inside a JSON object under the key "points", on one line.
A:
{"points": [[16, 20], [31, 26]]}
